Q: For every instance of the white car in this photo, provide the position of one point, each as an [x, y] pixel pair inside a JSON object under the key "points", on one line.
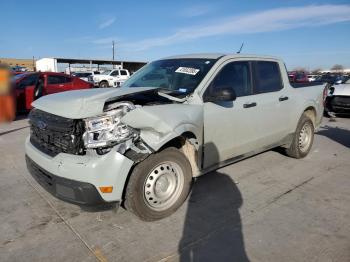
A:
{"points": [[86, 76], [111, 78], [338, 99], [312, 77]]}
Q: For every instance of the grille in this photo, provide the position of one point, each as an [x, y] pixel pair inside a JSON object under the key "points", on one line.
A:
{"points": [[53, 134], [341, 101]]}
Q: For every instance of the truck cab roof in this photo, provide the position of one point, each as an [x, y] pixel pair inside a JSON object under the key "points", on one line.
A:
{"points": [[221, 55]]}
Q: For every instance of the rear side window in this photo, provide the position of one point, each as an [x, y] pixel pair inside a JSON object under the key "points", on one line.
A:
{"points": [[123, 73], [235, 75], [267, 77], [53, 79]]}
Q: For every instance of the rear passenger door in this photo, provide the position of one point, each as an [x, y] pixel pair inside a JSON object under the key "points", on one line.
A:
{"points": [[273, 103], [58, 83]]}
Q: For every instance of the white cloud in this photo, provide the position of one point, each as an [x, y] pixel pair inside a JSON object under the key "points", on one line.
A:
{"points": [[194, 11], [107, 23], [266, 21], [102, 41]]}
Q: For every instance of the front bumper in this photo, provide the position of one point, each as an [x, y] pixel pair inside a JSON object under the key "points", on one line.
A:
{"points": [[338, 104], [77, 178], [66, 189]]}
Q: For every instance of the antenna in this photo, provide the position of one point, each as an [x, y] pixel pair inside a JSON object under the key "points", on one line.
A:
{"points": [[240, 49]]}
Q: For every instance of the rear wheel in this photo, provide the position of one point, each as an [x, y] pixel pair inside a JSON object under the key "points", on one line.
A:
{"points": [[303, 138], [159, 185]]}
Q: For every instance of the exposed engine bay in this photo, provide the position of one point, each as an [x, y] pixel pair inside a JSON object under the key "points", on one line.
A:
{"points": [[54, 134]]}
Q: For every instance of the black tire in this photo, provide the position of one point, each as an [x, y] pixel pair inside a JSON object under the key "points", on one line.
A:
{"points": [[136, 191], [296, 150], [103, 84]]}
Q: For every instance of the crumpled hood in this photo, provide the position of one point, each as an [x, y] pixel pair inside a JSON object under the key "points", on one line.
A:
{"points": [[342, 90], [83, 103]]}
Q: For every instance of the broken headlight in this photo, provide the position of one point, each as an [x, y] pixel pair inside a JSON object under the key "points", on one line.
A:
{"points": [[107, 130]]}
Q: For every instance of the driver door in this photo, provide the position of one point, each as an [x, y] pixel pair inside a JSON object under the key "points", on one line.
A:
{"points": [[229, 127]]}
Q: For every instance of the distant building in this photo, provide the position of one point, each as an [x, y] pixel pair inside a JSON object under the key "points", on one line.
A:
{"points": [[68, 65], [13, 62]]}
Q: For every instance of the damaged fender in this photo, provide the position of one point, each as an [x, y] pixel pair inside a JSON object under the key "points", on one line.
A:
{"points": [[161, 123]]}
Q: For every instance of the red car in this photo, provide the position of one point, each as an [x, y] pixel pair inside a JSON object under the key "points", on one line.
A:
{"points": [[30, 86], [298, 77]]}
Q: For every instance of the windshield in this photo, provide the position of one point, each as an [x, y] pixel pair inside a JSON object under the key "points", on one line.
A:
{"points": [[177, 75], [16, 77], [106, 72], [82, 74]]}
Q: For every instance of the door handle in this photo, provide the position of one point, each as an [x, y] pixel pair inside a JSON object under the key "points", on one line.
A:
{"points": [[283, 98], [247, 105]]}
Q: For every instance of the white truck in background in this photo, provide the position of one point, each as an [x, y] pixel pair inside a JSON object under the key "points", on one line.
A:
{"points": [[110, 78]]}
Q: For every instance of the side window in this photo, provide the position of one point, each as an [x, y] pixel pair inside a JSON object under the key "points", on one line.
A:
{"points": [[267, 77], [67, 79], [235, 75], [29, 80], [115, 73], [56, 79], [123, 73]]}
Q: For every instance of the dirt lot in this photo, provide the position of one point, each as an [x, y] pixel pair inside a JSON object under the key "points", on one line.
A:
{"points": [[266, 208]]}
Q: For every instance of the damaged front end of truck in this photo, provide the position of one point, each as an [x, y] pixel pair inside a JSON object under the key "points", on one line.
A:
{"points": [[101, 148]]}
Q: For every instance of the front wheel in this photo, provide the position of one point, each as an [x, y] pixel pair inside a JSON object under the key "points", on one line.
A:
{"points": [[103, 84], [303, 138], [159, 185]]}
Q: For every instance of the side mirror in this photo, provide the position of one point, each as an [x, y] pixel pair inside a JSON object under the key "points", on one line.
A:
{"points": [[226, 94]]}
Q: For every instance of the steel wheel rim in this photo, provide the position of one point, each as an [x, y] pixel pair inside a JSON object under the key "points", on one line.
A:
{"points": [[163, 186], [305, 137]]}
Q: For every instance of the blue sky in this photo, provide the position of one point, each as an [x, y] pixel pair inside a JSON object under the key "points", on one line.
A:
{"points": [[304, 33]]}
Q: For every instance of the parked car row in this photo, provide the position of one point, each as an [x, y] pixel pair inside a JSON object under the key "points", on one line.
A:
{"points": [[302, 77], [31, 86]]}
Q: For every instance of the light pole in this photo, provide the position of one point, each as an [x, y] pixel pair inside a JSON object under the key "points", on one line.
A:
{"points": [[113, 50]]}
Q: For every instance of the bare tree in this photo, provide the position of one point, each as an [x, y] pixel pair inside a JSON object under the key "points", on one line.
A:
{"points": [[316, 71], [300, 69], [338, 68]]}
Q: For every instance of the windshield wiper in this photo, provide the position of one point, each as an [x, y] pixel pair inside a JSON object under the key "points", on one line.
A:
{"points": [[172, 98]]}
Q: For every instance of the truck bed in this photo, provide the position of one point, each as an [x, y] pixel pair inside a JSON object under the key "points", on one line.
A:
{"points": [[299, 85]]}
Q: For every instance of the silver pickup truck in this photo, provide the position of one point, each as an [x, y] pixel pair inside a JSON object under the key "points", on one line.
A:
{"points": [[175, 119]]}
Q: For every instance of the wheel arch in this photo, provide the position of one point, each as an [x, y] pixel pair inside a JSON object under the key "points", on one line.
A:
{"points": [[311, 112], [188, 144]]}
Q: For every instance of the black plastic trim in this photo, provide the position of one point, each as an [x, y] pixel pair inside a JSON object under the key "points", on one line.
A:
{"points": [[72, 191]]}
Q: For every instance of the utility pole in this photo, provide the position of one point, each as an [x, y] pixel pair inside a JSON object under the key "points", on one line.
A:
{"points": [[113, 50]]}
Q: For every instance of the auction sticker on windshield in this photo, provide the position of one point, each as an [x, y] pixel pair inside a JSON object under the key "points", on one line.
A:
{"points": [[187, 70]]}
